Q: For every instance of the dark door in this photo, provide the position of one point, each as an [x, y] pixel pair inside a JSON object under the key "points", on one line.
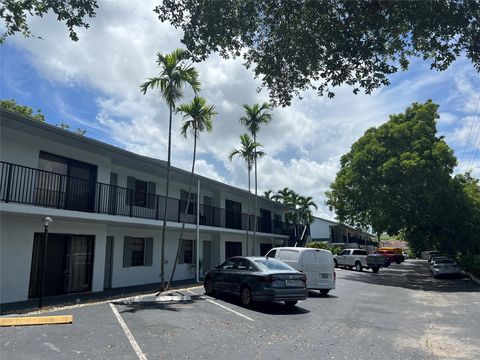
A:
{"points": [[233, 214], [69, 264], [81, 186]]}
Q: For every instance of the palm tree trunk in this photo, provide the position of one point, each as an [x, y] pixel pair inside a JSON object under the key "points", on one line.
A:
{"points": [[248, 208], [162, 260], [179, 247], [255, 210]]}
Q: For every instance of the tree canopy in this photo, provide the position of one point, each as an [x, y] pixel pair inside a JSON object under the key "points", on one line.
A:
{"points": [[300, 44], [398, 178], [15, 12]]}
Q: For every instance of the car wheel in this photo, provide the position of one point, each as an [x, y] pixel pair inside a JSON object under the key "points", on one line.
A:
{"points": [[358, 266], [324, 292], [209, 286], [336, 263], [375, 269], [246, 296], [398, 261], [349, 267]]}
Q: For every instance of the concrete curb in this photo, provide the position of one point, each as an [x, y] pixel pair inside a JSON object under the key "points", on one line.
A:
{"points": [[474, 279]]}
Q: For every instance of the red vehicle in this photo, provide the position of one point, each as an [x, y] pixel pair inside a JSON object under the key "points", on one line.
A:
{"points": [[392, 256]]}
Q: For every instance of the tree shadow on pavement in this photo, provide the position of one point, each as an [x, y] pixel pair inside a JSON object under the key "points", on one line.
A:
{"points": [[413, 275]]}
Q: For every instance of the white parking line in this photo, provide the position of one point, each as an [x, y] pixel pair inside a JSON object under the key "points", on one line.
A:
{"points": [[130, 337], [222, 306]]}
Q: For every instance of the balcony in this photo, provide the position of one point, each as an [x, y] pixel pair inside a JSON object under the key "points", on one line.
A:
{"points": [[25, 185]]}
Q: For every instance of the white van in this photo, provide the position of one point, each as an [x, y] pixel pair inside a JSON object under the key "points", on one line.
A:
{"points": [[316, 264]]}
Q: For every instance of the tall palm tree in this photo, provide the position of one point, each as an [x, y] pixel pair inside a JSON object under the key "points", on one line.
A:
{"points": [[175, 74], [305, 213], [255, 116], [197, 117], [248, 152], [268, 194]]}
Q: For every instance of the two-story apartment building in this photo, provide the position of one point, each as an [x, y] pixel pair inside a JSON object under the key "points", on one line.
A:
{"points": [[107, 206]]}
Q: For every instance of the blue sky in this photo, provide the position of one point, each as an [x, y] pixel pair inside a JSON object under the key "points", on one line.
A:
{"points": [[93, 84]]}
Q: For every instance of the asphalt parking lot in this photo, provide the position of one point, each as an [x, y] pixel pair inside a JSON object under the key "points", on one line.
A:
{"points": [[401, 312]]}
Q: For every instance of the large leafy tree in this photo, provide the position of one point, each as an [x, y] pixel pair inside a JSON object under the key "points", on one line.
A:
{"points": [[397, 177], [249, 153], [12, 105], [175, 74], [255, 115], [300, 44], [15, 13], [197, 118]]}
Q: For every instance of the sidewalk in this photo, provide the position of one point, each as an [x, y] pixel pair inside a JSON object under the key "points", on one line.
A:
{"points": [[90, 297]]}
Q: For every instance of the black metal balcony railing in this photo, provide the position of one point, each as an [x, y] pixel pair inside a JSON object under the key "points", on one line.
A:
{"points": [[25, 185]]}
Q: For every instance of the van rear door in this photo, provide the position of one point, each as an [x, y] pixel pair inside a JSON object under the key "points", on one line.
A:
{"points": [[309, 265], [325, 270]]}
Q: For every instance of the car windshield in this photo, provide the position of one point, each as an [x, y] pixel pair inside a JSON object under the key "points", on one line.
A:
{"points": [[270, 264]]}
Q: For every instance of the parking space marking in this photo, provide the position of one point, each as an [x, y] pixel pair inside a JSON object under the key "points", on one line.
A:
{"points": [[129, 335], [222, 306]]}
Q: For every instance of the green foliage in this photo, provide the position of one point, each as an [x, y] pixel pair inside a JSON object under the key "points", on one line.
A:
{"points": [[11, 105], [398, 178], [175, 73], [471, 264], [14, 14], [290, 198], [300, 44], [197, 116], [27, 111], [248, 151], [334, 249]]}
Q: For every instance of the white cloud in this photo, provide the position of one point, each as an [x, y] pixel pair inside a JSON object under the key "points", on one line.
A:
{"points": [[304, 141]]}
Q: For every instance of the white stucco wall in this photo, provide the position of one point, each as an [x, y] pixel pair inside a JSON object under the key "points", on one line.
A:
{"points": [[320, 228], [23, 149], [16, 246]]}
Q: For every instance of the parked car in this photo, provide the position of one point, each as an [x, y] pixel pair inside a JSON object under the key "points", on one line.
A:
{"points": [[444, 266], [433, 258], [376, 261], [257, 279], [351, 258], [427, 254], [392, 255], [405, 254], [316, 264]]}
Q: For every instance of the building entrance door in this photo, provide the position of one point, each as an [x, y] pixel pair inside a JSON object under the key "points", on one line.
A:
{"points": [[69, 264]]}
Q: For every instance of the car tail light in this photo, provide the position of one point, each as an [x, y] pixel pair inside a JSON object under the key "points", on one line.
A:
{"points": [[267, 279]]}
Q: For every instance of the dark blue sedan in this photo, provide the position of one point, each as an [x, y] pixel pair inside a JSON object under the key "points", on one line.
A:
{"points": [[257, 279]]}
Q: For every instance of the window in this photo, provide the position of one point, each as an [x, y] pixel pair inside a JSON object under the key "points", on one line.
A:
{"points": [[233, 248], [188, 251], [192, 206], [264, 248], [272, 253], [137, 251], [359, 252], [140, 193], [289, 255]]}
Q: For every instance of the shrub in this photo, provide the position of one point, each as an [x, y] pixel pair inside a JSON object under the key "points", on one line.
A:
{"points": [[471, 264], [334, 249]]}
